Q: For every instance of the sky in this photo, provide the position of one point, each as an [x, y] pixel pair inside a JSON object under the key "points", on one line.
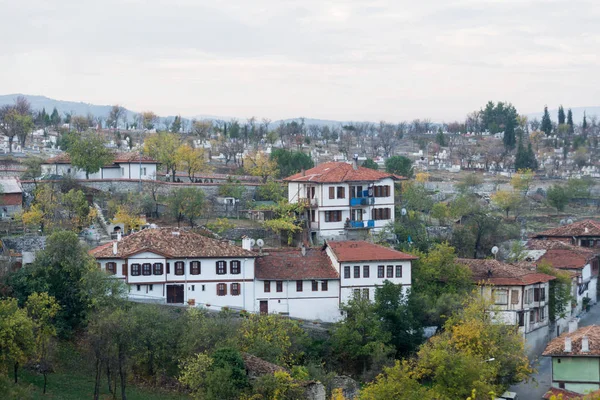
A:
{"points": [[345, 60]]}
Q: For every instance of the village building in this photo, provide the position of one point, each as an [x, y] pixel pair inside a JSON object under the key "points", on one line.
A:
{"points": [[176, 266], [585, 233], [520, 297], [575, 362], [11, 197], [130, 165], [343, 200]]}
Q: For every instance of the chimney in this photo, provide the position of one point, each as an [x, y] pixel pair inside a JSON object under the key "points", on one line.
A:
{"points": [[355, 162], [573, 325], [115, 248], [303, 172], [119, 236], [175, 233], [303, 250], [246, 243], [568, 348], [585, 344]]}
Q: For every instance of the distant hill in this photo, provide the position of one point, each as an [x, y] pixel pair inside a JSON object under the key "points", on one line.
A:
{"points": [[577, 113]]}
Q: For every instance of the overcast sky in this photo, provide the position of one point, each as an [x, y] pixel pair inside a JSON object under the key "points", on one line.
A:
{"points": [[347, 60]]}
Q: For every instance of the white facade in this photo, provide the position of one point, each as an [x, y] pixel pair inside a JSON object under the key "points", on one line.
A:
{"points": [[336, 208], [120, 170]]}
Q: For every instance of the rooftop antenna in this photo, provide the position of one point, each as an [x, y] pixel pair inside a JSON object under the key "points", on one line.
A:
{"points": [[260, 243]]}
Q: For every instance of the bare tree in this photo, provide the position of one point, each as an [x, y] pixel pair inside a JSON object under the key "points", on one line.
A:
{"points": [[115, 114], [386, 137]]}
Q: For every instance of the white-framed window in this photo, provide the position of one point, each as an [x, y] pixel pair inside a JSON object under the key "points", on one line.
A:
{"points": [[500, 296]]}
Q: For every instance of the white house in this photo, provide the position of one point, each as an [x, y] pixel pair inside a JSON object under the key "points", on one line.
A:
{"points": [[178, 266], [343, 199], [520, 296], [364, 266], [124, 166]]}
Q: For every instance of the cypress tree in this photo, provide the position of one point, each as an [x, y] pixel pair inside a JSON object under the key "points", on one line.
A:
{"points": [[546, 122], [570, 121], [561, 115], [584, 124], [532, 162]]}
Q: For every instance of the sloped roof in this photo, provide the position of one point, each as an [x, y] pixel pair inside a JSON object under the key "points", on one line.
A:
{"points": [[556, 347], [172, 243], [564, 259], [503, 274], [10, 185], [290, 264], [337, 172], [122, 157], [586, 227], [259, 367], [349, 251], [566, 394]]}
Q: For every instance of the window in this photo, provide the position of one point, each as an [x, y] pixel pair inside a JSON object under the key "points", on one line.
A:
{"points": [[380, 271], [341, 192], [279, 286], [150, 287], [532, 316], [332, 192], [357, 271], [539, 294], [315, 286], [168, 268], [221, 289], [381, 213], [267, 288], [111, 267], [221, 267], [381, 191], [333, 216], [542, 313], [146, 269], [347, 272], [179, 268], [514, 297], [324, 286], [501, 296], [390, 271], [561, 385], [312, 216], [139, 287], [398, 271], [195, 268], [521, 316], [357, 293], [366, 271], [135, 269], [365, 293], [157, 269], [203, 288], [542, 294], [143, 172], [235, 289], [235, 267], [299, 286], [193, 288]]}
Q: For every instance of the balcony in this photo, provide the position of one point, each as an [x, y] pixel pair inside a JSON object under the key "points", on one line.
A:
{"points": [[361, 201], [360, 224], [306, 202]]}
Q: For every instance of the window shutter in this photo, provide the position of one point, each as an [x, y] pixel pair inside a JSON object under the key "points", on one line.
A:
{"points": [[332, 192], [124, 269], [514, 297], [168, 268]]}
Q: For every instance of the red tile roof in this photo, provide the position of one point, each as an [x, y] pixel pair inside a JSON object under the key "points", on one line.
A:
{"points": [[586, 227], [127, 157], [565, 259], [566, 394], [349, 251], [337, 172], [292, 265], [503, 274], [182, 244], [556, 347]]}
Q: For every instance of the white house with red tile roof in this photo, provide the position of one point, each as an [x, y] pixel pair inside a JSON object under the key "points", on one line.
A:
{"points": [[124, 166], [343, 199], [177, 266]]}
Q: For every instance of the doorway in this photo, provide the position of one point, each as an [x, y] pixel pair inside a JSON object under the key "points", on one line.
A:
{"points": [[264, 307], [175, 294]]}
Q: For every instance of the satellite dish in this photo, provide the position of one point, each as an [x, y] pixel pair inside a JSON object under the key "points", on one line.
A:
{"points": [[260, 243], [495, 250], [403, 211], [252, 242], [569, 221], [563, 221]]}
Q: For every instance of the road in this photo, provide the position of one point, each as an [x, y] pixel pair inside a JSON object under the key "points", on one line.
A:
{"points": [[534, 390]]}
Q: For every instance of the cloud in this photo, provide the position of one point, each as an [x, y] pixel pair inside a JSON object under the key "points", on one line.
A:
{"points": [[353, 60]]}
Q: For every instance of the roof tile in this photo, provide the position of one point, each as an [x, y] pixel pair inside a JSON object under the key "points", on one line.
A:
{"points": [[498, 273], [586, 227], [348, 251], [556, 347], [337, 172], [290, 264]]}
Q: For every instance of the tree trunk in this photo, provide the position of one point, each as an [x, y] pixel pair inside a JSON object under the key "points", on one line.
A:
{"points": [[87, 175], [123, 375], [10, 142], [98, 376], [16, 372], [110, 388], [45, 381]]}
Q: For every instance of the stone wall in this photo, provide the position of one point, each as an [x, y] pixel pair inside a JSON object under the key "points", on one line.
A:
{"points": [[237, 233], [25, 243]]}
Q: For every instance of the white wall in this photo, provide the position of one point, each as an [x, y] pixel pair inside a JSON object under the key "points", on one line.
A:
{"points": [[121, 171]]}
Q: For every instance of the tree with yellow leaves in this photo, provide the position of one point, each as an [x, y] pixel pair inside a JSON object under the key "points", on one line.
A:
{"points": [[506, 200], [191, 160], [127, 218], [163, 148], [521, 180], [260, 164]]}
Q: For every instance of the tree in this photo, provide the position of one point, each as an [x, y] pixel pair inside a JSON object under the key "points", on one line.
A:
{"points": [[291, 162], [272, 338], [441, 212], [202, 129], [77, 207], [194, 203], [55, 119], [581, 187], [15, 122], [149, 119], [584, 124], [369, 163], [546, 122], [360, 339], [191, 160], [88, 153], [399, 165], [193, 374], [469, 184], [115, 114], [416, 197], [393, 306], [558, 197], [271, 191], [129, 219], [570, 122], [259, 164], [163, 148], [231, 188], [80, 122], [559, 299], [561, 115], [521, 180], [17, 342], [440, 138], [42, 309], [506, 200], [278, 386], [285, 219], [177, 124], [33, 169], [525, 158]]}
